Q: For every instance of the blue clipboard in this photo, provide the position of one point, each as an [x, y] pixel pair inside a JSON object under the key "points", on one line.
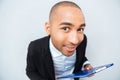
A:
{"points": [[86, 73]]}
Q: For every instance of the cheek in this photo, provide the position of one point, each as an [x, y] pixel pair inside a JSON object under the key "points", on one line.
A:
{"points": [[58, 39], [57, 34], [82, 37]]}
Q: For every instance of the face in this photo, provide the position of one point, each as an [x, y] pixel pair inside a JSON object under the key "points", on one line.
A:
{"points": [[66, 29]]}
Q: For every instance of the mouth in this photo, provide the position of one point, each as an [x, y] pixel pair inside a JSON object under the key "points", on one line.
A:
{"points": [[70, 48]]}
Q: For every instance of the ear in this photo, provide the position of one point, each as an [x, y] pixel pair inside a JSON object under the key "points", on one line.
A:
{"points": [[47, 28]]}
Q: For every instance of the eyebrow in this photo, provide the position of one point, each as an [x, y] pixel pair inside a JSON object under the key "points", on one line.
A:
{"points": [[70, 24], [83, 25]]}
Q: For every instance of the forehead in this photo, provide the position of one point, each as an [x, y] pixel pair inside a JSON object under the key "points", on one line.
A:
{"points": [[55, 10], [68, 14]]}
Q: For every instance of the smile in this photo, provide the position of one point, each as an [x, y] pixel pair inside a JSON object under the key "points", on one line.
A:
{"points": [[70, 49]]}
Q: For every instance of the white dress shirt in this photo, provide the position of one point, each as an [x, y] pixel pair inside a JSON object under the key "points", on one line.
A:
{"points": [[63, 65]]}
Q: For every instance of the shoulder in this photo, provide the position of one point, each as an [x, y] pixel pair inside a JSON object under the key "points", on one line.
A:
{"points": [[83, 44], [40, 43], [41, 40], [84, 40]]}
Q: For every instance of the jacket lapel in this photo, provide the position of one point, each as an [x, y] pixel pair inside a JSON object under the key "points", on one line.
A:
{"points": [[48, 61]]}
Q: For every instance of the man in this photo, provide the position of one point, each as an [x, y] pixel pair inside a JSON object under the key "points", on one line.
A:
{"points": [[62, 52]]}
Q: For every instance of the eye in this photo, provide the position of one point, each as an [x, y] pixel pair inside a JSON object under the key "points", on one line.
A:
{"points": [[81, 30], [65, 28]]}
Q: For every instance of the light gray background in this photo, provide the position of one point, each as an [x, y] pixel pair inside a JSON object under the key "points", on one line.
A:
{"points": [[22, 21]]}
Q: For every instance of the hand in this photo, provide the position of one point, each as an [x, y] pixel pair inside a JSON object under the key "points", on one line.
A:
{"points": [[88, 67]]}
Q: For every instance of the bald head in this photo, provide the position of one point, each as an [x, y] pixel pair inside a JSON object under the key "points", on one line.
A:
{"points": [[59, 5]]}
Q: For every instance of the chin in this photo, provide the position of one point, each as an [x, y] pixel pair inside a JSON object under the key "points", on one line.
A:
{"points": [[69, 54]]}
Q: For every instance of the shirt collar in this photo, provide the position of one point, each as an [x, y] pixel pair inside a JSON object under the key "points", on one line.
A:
{"points": [[54, 51]]}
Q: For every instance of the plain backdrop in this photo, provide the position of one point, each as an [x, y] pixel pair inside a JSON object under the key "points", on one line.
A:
{"points": [[22, 21]]}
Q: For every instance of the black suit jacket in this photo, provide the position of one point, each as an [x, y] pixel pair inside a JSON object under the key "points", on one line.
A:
{"points": [[39, 60]]}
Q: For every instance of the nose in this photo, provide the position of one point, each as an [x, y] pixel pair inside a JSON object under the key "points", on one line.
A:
{"points": [[75, 38]]}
